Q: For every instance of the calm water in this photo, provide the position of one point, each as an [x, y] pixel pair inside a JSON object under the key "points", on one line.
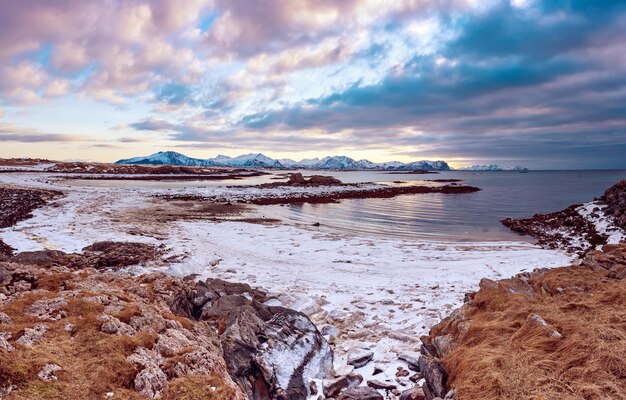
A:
{"points": [[473, 216]]}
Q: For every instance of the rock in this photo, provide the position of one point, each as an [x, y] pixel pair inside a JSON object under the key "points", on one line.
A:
{"points": [[360, 360], [413, 394], [202, 294], [32, 335], [435, 377], [330, 330], [312, 388], [47, 373], [323, 180], [332, 387], [296, 179], [69, 327], [4, 344], [360, 393], [618, 271], [535, 319], [172, 342], [402, 372], [150, 382], [344, 370], [377, 370], [376, 384], [416, 377], [146, 357], [274, 348], [410, 359], [112, 325], [5, 319], [443, 345]]}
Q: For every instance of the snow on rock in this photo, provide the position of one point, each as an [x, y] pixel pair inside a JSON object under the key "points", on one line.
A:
{"points": [[604, 224], [258, 160], [373, 294]]}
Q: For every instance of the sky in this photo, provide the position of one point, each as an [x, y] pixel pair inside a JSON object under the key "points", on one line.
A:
{"points": [[538, 83]]}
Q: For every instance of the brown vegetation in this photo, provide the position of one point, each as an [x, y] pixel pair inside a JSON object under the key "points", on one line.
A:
{"points": [[94, 360], [550, 334]]}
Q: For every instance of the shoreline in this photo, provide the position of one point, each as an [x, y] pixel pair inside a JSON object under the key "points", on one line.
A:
{"points": [[339, 280]]}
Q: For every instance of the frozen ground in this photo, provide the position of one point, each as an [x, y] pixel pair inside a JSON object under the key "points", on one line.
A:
{"points": [[364, 293]]}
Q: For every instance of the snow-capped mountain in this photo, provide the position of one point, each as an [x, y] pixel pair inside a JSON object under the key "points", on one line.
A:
{"points": [[304, 164], [494, 167], [258, 160], [169, 158], [336, 162]]}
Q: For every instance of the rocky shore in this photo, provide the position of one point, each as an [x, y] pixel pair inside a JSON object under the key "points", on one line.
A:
{"points": [[187, 308], [17, 205], [550, 333], [374, 193], [77, 330], [580, 227]]}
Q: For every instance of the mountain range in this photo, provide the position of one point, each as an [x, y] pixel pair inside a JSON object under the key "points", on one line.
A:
{"points": [[261, 161], [494, 167]]}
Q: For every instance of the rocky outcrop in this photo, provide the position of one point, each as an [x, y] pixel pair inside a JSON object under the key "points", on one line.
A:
{"points": [[381, 192], [17, 205], [272, 352], [615, 200], [152, 327], [533, 319], [578, 228], [566, 229], [102, 332], [100, 255]]}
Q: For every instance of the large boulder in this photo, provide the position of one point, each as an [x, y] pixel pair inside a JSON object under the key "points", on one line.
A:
{"points": [[272, 352]]}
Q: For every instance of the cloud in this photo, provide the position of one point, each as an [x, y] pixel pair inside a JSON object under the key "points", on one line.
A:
{"points": [[494, 78], [511, 83], [12, 133]]}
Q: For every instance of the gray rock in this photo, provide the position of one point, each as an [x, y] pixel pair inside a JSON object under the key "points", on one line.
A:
{"points": [[376, 384], [360, 393], [435, 376], [32, 335], [413, 394], [4, 344], [5, 319], [360, 360], [150, 382], [412, 360], [47, 372], [48, 309], [333, 387]]}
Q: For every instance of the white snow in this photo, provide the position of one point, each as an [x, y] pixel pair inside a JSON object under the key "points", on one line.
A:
{"points": [[594, 213], [381, 294]]}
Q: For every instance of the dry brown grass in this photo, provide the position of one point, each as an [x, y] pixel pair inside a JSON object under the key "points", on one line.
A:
{"points": [[93, 362], [198, 388], [503, 355]]}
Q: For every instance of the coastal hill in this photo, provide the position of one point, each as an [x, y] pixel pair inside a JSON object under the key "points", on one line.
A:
{"points": [[261, 161], [494, 167], [547, 333]]}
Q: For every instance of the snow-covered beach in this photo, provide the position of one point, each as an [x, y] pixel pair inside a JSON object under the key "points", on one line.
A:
{"points": [[366, 294]]}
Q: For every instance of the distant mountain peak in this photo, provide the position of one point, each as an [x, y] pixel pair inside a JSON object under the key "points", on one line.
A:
{"points": [[260, 160]]}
